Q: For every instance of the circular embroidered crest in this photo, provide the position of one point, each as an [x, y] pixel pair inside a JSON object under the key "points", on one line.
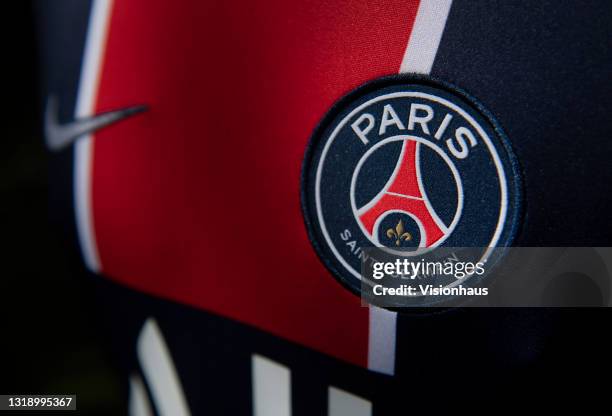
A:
{"points": [[407, 162]]}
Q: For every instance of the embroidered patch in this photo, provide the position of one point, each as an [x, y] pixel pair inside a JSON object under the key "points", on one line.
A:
{"points": [[407, 162]]}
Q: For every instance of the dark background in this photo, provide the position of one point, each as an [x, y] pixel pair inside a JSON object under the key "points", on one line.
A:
{"points": [[52, 340]]}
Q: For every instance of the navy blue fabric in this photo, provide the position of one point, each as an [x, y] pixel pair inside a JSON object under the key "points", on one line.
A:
{"points": [[487, 359], [62, 30], [543, 69]]}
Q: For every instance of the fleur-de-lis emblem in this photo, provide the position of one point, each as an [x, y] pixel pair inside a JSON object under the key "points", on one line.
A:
{"points": [[399, 233]]}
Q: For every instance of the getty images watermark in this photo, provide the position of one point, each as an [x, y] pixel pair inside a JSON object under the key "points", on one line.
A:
{"points": [[484, 276], [421, 269]]}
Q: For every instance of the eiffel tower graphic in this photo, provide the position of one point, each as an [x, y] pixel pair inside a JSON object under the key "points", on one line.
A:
{"points": [[403, 193]]}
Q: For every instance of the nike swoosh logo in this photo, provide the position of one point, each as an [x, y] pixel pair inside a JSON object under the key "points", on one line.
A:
{"points": [[59, 136]]}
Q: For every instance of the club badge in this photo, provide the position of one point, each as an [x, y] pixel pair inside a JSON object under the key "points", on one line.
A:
{"points": [[407, 163]]}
